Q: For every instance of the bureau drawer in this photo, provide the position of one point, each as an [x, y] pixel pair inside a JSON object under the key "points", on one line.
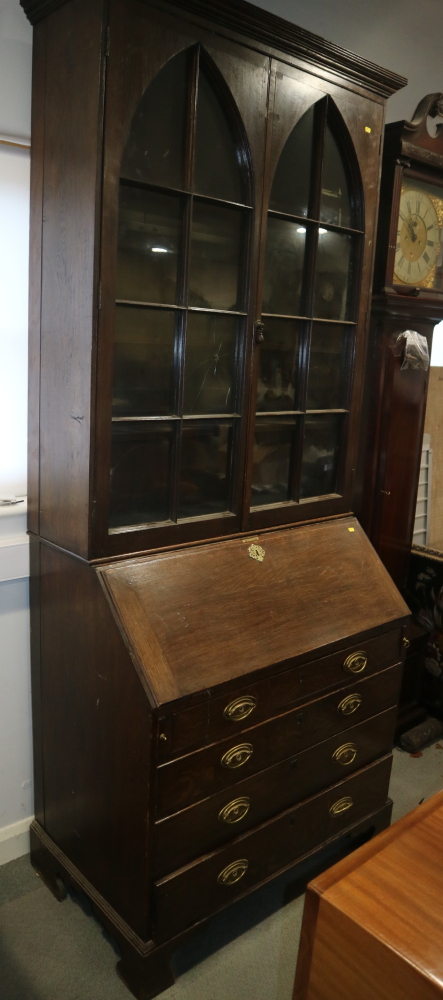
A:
{"points": [[204, 772], [252, 703], [201, 888], [203, 827]]}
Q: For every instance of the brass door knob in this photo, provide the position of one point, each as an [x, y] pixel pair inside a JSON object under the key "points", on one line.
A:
{"points": [[240, 708], [356, 662], [235, 811], [234, 872], [350, 704], [237, 756]]}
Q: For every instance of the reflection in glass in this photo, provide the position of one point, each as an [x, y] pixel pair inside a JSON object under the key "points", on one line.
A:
{"points": [[285, 249], [278, 366], [140, 473], [333, 276], [327, 381], [154, 151], [217, 165], [320, 455], [204, 468], [148, 238], [216, 245], [211, 343], [290, 188], [143, 359], [335, 198], [271, 460]]}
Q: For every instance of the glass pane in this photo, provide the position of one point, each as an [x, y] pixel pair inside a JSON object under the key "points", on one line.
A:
{"points": [[210, 364], [327, 381], [154, 151], [143, 360], [333, 275], [285, 250], [216, 246], [140, 473], [204, 468], [148, 239], [290, 188], [271, 460], [278, 365], [320, 455], [335, 198], [217, 165]]}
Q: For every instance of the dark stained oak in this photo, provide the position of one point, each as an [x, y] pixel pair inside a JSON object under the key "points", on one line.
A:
{"points": [[164, 652], [180, 599]]}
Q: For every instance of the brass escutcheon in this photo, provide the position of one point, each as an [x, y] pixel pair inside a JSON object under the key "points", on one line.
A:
{"points": [[237, 756], [240, 708], [341, 806], [350, 704], [345, 754], [356, 662], [235, 810], [233, 873]]}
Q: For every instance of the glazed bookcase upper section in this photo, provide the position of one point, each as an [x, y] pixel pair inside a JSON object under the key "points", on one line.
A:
{"points": [[197, 186], [273, 32]]}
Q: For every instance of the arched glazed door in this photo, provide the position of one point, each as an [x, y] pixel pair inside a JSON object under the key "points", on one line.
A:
{"points": [[313, 249], [185, 207]]}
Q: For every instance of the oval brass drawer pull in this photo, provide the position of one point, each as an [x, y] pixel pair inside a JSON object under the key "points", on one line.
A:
{"points": [[234, 811], [356, 663], [350, 704], [233, 873], [345, 754], [237, 756], [341, 806], [406, 642], [239, 709]]}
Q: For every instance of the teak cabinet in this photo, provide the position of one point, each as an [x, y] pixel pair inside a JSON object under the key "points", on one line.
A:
{"points": [[217, 649]]}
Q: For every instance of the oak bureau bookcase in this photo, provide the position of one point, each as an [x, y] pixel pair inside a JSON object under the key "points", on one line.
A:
{"points": [[217, 649]]}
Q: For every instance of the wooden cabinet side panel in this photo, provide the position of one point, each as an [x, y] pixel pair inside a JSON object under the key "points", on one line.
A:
{"points": [[71, 166], [96, 738]]}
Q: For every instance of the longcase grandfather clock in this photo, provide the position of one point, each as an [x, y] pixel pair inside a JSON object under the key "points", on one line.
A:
{"points": [[216, 647]]}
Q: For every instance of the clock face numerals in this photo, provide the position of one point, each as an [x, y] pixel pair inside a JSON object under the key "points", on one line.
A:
{"points": [[418, 238]]}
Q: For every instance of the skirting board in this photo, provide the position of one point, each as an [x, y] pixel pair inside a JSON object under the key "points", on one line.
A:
{"points": [[14, 840]]}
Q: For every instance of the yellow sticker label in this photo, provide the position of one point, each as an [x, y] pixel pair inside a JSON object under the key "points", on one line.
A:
{"points": [[367, 129], [351, 529]]}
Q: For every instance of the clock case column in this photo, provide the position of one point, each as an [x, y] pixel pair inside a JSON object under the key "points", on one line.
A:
{"points": [[395, 404]]}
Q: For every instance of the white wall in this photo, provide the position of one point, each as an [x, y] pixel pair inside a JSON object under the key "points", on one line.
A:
{"points": [[398, 34]]}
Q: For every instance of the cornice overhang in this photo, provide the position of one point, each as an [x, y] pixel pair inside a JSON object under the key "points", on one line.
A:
{"points": [[271, 31]]}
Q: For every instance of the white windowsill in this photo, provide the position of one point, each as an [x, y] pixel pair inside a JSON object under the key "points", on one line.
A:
{"points": [[14, 542]]}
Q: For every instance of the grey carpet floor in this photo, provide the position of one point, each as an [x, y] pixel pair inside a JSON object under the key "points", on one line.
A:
{"points": [[58, 951]]}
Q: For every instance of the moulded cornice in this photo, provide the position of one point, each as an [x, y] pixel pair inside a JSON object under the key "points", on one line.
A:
{"points": [[274, 32]]}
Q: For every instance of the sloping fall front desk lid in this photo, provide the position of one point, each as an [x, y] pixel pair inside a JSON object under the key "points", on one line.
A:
{"points": [[199, 617]]}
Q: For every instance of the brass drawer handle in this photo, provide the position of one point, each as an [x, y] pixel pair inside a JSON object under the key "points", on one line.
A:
{"points": [[240, 708], [341, 806], [350, 704], [233, 873], [237, 756], [356, 663], [406, 642], [235, 810], [345, 754]]}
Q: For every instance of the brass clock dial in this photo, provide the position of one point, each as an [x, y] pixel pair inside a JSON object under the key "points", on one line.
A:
{"points": [[418, 238]]}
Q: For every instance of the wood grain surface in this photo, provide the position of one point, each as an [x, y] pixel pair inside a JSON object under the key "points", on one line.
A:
{"points": [[373, 924], [296, 600]]}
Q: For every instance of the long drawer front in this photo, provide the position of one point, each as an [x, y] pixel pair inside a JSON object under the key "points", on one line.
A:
{"points": [[205, 772], [218, 718], [203, 827], [202, 888]]}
